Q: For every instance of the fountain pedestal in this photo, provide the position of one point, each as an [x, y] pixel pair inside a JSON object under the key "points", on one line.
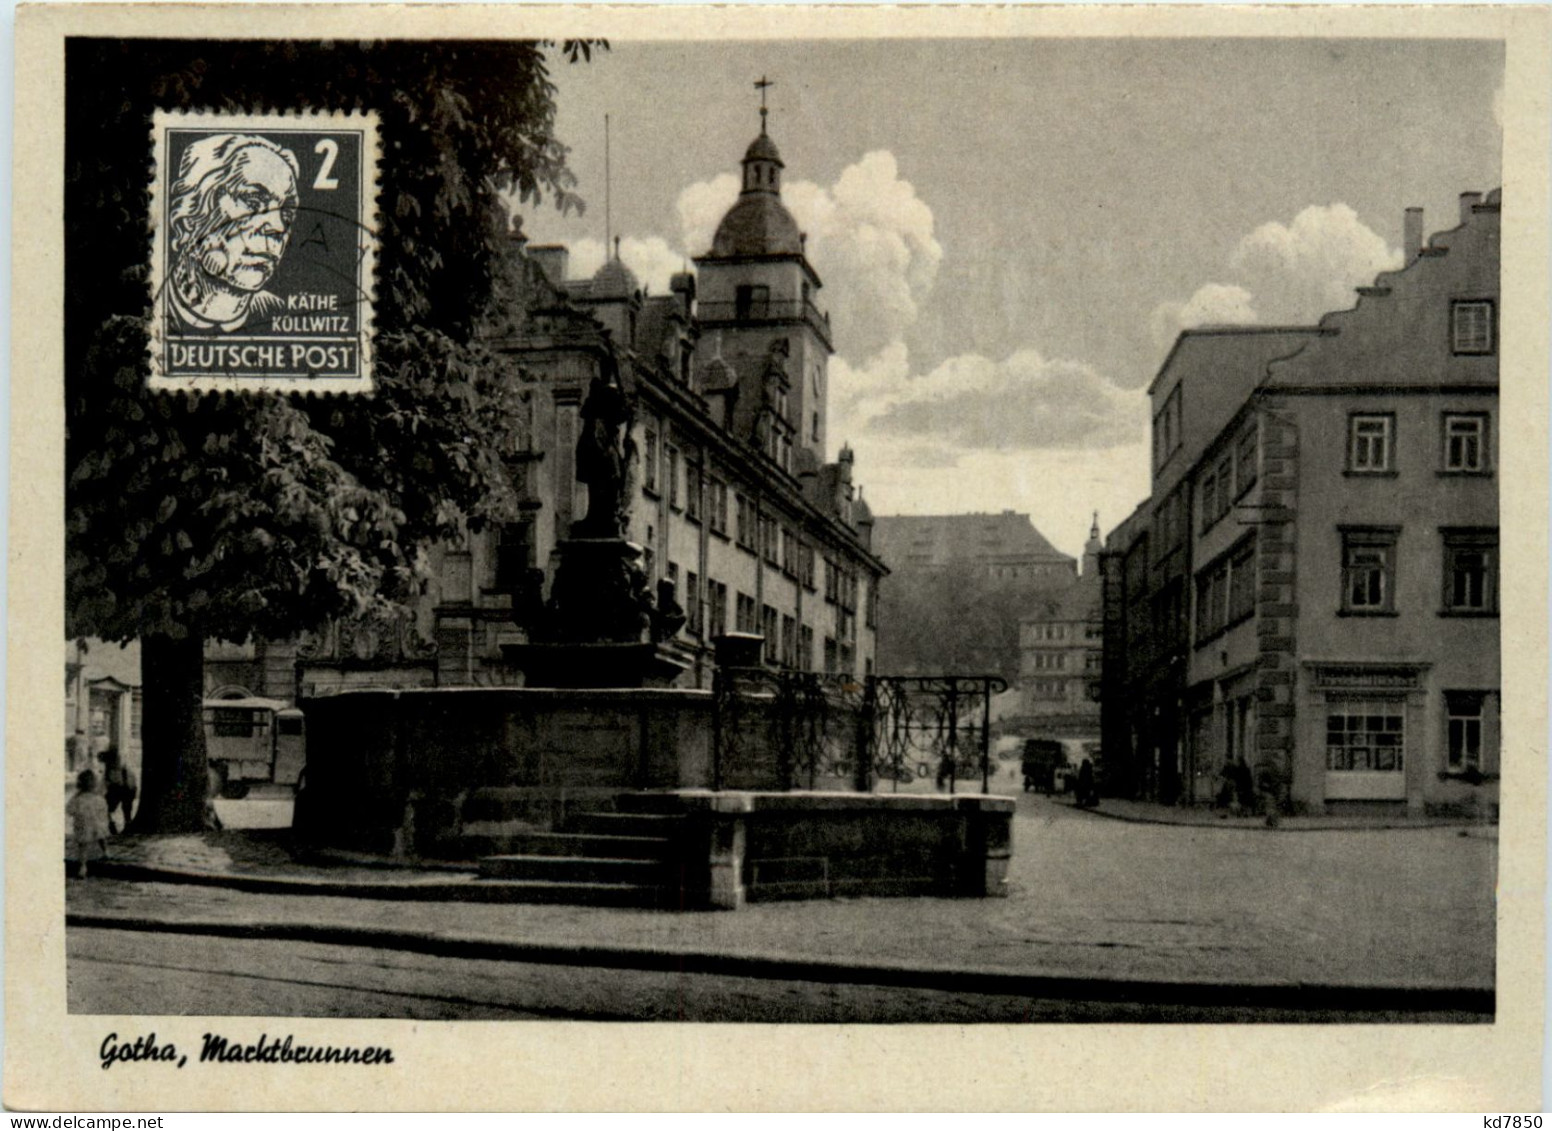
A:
{"points": [[603, 628]]}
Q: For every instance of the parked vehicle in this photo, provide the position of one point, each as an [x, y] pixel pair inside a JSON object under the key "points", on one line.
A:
{"points": [[252, 740], [1045, 766]]}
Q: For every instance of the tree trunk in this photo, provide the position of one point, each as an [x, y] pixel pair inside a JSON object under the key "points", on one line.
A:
{"points": [[173, 778]]}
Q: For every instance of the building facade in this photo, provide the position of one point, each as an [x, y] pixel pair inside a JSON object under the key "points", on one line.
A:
{"points": [[1061, 653], [103, 700], [1332, 510], [732, 499]]}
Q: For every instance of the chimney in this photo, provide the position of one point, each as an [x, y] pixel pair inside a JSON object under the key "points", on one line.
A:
{"points": [[553, 259], [1412, 235], [1468, 200]]}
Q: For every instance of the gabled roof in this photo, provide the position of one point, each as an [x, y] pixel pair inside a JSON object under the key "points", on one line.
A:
{"points": [[948, 538]]}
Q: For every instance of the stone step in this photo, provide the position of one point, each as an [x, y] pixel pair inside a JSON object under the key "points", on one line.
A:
{"points": [[577, 869], [653, 804], [593, 845], [534, 805], [589, 894], [657, 825]]}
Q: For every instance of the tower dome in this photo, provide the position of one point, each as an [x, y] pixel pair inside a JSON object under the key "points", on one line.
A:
{"points": [[614, 280], [758, 223]]}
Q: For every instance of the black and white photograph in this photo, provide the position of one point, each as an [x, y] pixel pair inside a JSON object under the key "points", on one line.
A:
{"points": [[781, 533]]}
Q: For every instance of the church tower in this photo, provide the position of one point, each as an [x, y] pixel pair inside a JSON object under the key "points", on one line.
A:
{"points": [[758, 307]]}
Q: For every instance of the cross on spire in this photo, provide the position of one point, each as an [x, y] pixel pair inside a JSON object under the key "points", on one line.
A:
{"points": [[762, 85]]}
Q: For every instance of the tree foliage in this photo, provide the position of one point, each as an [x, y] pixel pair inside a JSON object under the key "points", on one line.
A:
{"points": [[234, 515], [954, 620]]}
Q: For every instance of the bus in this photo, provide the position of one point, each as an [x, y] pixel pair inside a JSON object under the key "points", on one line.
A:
{"points": [[251, 741]]}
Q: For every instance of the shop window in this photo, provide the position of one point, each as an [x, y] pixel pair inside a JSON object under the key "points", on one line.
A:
{"points": [[1365, 737]]}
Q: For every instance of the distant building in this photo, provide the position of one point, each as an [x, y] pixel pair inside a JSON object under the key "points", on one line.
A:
{"points": [[999, 547], [103, 697], [958, 587], [1314, 583], [1061, 642]]}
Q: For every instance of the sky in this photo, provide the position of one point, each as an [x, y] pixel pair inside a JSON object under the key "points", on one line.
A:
{"points": [[1012, 232]]}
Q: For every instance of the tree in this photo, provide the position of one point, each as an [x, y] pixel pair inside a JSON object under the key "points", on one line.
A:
{"points": [[220, 517]]}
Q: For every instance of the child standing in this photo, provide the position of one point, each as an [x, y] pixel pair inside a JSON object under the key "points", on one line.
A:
{"points": [[88, 813]]}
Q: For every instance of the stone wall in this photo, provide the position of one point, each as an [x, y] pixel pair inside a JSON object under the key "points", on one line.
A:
{"points": [[757, 846], [374, 755]]}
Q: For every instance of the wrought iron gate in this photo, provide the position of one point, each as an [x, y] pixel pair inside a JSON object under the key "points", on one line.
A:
{"points": [[786, 730]]}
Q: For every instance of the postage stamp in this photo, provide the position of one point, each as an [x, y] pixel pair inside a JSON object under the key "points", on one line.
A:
{"points": [[264, 247]]}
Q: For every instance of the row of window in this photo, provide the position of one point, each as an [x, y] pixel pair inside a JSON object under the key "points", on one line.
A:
{"points": [[1232, 474], [1473, 331], [1369, 565], [1225, 589], [787, 643], [706, 613], [1226, 592], [1371, 443], [1166, 429], [1088, 631], [1056, 660], [1369, 736]]}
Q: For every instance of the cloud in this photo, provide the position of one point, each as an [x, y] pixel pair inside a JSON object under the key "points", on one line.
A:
{"points": [[1302, 270], [1053, 439], [1286, 274], [1213, 304], [701, 207], [869, 235], [651, 260], [1024, 402], [873, 239], [1059, 490]]}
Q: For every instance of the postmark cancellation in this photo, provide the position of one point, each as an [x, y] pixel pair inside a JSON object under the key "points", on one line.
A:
{"points": [[263, 253]]}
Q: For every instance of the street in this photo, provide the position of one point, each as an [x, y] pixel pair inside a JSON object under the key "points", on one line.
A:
{"points": [[124, 972], [1090, 896]]}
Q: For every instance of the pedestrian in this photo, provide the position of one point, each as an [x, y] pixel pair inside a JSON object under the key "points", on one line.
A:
{"points": [[89, 826], [215, 784], [120, 786], [945, 770], [1244, 786], [1227, 789], [1087, 795]]}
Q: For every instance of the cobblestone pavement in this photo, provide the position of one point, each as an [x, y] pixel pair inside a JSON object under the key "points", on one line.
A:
{"points": [[1089, 896]]}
